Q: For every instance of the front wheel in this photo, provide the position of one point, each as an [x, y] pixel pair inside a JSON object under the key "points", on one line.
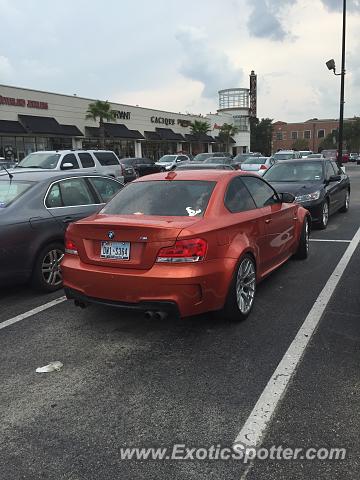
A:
{"points": [[46, 274], [324, 215], [241, 295], [303, 249]]}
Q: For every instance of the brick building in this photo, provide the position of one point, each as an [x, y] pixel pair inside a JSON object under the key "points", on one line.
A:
{"points": [[313, 131]]}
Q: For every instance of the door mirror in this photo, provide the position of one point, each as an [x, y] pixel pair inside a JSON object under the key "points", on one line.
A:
{"points": [[67, 166], [287, 197], [335, 178]]}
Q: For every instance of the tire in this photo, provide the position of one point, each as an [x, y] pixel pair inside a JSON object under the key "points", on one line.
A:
{"points": [[46, 275], [302, 251], [324, 215], [346, 205], [239, 303]]}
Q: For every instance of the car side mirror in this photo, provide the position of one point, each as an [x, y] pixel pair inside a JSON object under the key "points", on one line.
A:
{"points": [[287, 197], [335, 178], [67, 166]]}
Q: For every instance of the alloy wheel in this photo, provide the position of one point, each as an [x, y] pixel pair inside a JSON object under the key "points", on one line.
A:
{"points": [[245, 285], [307, 236], [50, 267], [325, 214]]}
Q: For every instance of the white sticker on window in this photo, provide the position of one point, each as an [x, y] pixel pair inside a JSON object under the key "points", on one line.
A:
{"points": [[191, 212]]}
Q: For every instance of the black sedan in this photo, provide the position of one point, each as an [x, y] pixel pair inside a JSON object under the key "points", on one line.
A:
{"points": [[35, 208], [141, 166], [320, 185]]}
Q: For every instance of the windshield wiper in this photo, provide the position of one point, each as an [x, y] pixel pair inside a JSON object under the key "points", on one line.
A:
{"points": [[11, 176]]}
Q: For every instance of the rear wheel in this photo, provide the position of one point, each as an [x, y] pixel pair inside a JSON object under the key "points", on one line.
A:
{"points": [[303, 249], [346, 205], [324, 215], [241, 295], [46, 274]]}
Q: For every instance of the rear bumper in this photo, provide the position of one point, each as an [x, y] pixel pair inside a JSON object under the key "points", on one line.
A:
{"points": [[189, 289]]}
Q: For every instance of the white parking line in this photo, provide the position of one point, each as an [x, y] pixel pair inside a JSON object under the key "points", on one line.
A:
{"points": [[252, 433], [29, 313], [328, 240]]}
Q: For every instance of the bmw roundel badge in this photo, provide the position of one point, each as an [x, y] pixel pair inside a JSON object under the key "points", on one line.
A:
{"points": [[111, 234]]}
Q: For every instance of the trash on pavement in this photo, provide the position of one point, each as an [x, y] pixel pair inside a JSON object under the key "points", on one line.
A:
{"points": [[52, 367]]}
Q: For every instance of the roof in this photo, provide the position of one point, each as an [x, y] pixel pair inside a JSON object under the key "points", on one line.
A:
{"points": [[36, 174], [206, 174]]}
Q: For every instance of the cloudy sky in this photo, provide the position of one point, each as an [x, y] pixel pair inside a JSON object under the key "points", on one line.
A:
{"points": [[175, 55]]}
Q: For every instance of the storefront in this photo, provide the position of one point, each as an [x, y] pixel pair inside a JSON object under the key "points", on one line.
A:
{"points": [[32, 120]]}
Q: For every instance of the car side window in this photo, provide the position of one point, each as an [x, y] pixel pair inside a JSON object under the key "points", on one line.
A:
{"points": [[260, 191], [329, 170], [106, 159], [53, 198], [336, 168], [238, 198], [69, 158], [106, 187], [86, 160], [74, 192]]}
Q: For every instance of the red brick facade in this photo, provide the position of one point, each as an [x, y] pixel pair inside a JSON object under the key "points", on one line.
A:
{"points": [[313, 131]]}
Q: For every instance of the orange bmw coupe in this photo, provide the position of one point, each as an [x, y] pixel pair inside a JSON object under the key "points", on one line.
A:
{"points": [[187, 242]]}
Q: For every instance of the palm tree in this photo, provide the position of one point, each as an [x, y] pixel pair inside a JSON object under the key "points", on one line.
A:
{"points": [[227, 131], [199, 128], [102, 111]]}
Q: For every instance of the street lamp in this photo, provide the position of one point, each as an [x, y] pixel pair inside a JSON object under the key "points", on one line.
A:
{"points": [[331, 66]]}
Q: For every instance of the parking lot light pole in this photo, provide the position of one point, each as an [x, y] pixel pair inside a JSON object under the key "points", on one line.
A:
{"points": [[331, 66]]}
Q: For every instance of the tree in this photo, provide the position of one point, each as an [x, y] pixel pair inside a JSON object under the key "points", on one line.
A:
{"points": [[261, 132], [102, 111], [226, 132], [301, 144], [199, 128]]}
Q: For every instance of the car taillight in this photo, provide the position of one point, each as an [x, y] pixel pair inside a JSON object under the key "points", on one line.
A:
{"points": [[70, 247], [263, 167], [191, 250]]}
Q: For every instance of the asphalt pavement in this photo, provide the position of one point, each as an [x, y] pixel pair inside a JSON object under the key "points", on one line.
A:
{"points": [[132, 382]]}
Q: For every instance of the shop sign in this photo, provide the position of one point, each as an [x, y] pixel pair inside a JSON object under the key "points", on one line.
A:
{"points": [[122, 115], [163, 120], [184, 123], [21, 102]]}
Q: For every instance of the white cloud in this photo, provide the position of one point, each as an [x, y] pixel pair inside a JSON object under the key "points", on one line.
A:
{"points": [[6, 69]]}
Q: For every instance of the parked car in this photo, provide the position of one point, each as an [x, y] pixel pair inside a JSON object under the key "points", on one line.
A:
{"points": [[142, 166], [104, 162], [241, 157], [219, 159], [128, 170], [35, 208], [168, 162], [285, 155], [315, 155], [201, 157], [305, 153], [320, 185], [353, 157], [204, 166], [330, 153], [184, 241], [257, 164]]}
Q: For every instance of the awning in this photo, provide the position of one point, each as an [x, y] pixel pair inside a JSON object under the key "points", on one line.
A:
{"points": [[114, 130], [71, 130], [221, 139], [201, 137], [92, 132], [170, 135], [10, 126], [43, 125], [153, 136]]}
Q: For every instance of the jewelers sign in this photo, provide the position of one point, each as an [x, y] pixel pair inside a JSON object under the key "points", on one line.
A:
{"points": [[21, 102]]}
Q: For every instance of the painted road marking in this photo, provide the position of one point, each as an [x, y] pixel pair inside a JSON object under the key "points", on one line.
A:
{"points": [[328, 240], [254, 429], [34, 311]]}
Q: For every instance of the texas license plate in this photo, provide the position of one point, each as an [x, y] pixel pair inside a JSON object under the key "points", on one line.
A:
{"points": [[116, 250]]}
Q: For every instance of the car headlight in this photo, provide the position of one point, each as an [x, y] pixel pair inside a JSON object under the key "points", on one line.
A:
{"points": [[308, 197]]}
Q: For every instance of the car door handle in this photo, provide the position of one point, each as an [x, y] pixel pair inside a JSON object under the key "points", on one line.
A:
{"points": [[68, 220], [268, 220]]}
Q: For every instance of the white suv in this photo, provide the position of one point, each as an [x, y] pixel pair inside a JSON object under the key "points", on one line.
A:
{"points": [[104, 162]]}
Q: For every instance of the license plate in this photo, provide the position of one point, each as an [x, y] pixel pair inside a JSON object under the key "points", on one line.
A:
{"points": [[115, 250]]}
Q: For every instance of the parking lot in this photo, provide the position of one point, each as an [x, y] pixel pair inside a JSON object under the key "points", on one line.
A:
{"points": [[128, 381]]}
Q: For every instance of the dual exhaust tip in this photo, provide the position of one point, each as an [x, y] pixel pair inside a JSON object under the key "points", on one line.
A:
{"points": [[149, 314]]}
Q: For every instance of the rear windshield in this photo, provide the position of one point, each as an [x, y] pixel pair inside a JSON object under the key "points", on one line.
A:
{"points": [[167, 158], [40, 160], [283, 156], [106, 158], [200, 157], [162, 198], [10, 191], [255, 161], [216, 160]]}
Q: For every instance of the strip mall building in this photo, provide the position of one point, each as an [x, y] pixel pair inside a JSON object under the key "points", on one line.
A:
{"points": [[32, 120]]}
